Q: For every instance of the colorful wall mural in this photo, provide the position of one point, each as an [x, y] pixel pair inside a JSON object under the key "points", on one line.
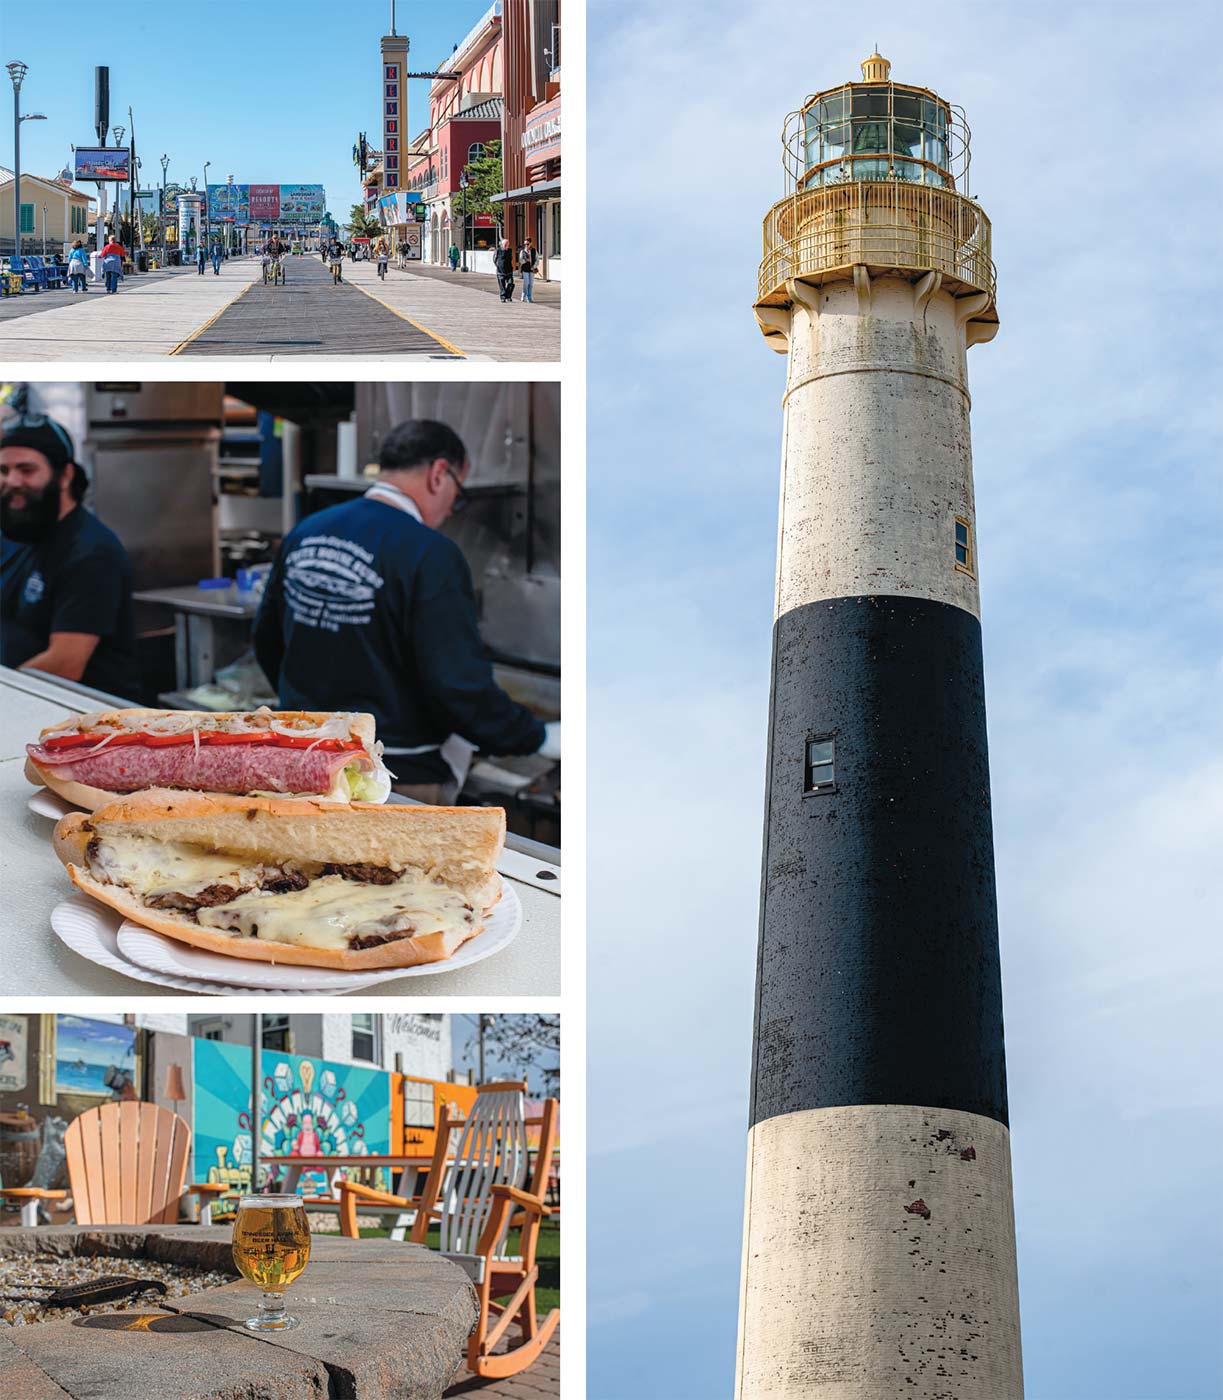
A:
{"points": [[308, 1108], [94, 1057]]}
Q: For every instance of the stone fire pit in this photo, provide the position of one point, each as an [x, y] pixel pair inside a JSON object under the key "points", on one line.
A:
{"points": [[379, 1320]]}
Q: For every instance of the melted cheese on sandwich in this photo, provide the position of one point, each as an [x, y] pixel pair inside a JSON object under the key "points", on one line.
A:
{"points": [[331, 910], [158, 867]]}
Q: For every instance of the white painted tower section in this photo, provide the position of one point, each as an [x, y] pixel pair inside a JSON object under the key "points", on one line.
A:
{"points": [[878, 457]]}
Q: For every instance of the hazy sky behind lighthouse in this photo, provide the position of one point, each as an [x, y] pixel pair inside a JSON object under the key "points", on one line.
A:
{"points": [[1097, 457], [272, 93]]}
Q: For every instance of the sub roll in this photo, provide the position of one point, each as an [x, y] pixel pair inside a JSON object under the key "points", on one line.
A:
{"points": [[353, 887], [93, 759]]}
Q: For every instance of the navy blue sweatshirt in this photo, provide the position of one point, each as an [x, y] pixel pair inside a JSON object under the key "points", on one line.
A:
{"points": [[368, 609]]}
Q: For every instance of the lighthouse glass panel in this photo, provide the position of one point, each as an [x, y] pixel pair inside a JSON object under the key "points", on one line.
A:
{"points": [[876, 133]]}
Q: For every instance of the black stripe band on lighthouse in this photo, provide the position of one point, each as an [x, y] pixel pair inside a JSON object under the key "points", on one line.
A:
{"points": [[879, 1234]]}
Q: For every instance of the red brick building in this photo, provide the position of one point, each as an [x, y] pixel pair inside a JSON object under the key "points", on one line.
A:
{"points": [[531, 145]]}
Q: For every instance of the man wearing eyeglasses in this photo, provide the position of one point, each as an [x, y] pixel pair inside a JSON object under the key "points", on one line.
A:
{"points": [[370, 607], [65, 579]]}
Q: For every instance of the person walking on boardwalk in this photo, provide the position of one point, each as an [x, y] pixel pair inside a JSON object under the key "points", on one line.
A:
{"points": [[528, 262], [201, 258], [112, 264], [216, 258], [453, 255], [503, 261], [78, 267]]}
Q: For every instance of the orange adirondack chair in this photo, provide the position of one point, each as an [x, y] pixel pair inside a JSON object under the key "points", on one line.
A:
{"points": [[127, 1165], [475, 1196]]}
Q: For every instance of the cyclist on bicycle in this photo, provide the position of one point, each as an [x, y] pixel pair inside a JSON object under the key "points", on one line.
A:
{"points": [[383, 253], [335, 260]]}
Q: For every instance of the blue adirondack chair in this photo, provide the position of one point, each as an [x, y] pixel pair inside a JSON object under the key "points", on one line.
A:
{"points": [[29, 277], [56, 273]]}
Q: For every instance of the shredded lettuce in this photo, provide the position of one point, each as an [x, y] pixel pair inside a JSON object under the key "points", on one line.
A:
{"points": [[363, 786]]}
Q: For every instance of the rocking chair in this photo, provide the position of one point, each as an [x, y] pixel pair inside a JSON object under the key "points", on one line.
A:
{"points": [[475, 1197]]}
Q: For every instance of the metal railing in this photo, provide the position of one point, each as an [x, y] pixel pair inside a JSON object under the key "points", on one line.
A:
{"points": [[885, 225]]}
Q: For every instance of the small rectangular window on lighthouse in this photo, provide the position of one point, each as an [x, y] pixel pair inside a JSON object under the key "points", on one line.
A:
{"points": [[963, 546], [819, 775]]}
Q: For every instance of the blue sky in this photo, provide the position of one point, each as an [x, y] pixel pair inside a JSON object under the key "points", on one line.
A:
{"points": [[1096, 438], [273, 93]]}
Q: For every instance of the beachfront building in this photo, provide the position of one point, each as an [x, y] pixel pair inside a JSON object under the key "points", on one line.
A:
{"points": [[52, 212]]}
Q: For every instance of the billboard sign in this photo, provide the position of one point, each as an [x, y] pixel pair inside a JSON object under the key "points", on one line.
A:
{"points": [[95, 163], [302, 204], [282, 204], [228, 204], [264, 201]]}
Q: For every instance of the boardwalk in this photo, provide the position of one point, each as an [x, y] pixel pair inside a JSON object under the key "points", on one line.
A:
{"points": [[424, 314], [308, 315]]}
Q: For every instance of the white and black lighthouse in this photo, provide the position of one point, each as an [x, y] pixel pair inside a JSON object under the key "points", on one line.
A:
{"points": [[879, 1238]]}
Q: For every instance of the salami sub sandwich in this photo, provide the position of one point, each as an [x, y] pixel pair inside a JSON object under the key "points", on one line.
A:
{"points": [[91, 760], [353, 887]]}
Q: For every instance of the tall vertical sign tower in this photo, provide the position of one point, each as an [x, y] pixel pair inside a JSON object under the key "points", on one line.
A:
{"points": [[879, 1239], [394, 106]]}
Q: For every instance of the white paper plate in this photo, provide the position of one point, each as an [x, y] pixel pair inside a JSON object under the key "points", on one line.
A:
{"points": [[105, 937], [50, 804]]}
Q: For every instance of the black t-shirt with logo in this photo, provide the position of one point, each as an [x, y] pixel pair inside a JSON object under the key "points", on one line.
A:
{"points": [[78, 579]]}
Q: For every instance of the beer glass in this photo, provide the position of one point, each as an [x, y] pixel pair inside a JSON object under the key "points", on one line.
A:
{"points": [[271, 1248]]}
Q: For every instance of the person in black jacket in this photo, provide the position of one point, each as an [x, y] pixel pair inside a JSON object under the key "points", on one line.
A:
{"points": [[65, 579], [370, 607], [503, 261]]}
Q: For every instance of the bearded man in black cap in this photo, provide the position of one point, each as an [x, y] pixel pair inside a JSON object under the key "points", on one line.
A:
{"points": [[65, 579]]}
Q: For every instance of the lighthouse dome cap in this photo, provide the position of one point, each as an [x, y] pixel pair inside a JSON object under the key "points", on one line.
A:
{"points": [[876, 68]]}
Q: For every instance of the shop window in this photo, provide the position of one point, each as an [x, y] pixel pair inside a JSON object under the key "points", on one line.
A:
{"points": [[819, 775], [418, 1107], [556, 229], [963, 547], [276, 1034], [365, 1037]]}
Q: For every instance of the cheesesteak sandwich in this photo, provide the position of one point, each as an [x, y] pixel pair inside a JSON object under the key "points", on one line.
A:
{"points": [[90, 760], [353, 887]]}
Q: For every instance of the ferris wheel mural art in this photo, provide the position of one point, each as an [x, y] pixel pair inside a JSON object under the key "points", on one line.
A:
{"points": [[308, 1108]]}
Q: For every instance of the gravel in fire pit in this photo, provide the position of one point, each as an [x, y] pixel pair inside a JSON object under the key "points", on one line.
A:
{"points": [[46, 1272]]}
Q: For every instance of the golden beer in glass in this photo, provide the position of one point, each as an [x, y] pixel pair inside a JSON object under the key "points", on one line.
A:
{"points": [[271, 1248]]}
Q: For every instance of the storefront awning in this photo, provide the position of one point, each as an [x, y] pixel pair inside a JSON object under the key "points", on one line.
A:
{"points": [[541, 191]]}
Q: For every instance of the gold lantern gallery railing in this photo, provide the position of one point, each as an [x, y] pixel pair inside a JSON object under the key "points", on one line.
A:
{"points": [[886, 226]]}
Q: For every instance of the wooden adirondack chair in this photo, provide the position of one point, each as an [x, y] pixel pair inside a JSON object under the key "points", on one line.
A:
{"points": [[474, 1197], [127, 1165]]}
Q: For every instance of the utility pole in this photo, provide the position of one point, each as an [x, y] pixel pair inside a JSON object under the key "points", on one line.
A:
{"points": [[879, 1240], [256, 1097]]}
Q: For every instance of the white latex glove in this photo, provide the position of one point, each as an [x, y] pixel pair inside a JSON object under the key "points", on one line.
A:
{"points": [[551, 746]]}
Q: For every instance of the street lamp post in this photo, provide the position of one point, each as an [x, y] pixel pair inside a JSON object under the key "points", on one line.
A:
{"points": [[207, 211], [44, 233], [463, 187], [120, 132], [17, 71], [233, 218], [165, 247]]}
